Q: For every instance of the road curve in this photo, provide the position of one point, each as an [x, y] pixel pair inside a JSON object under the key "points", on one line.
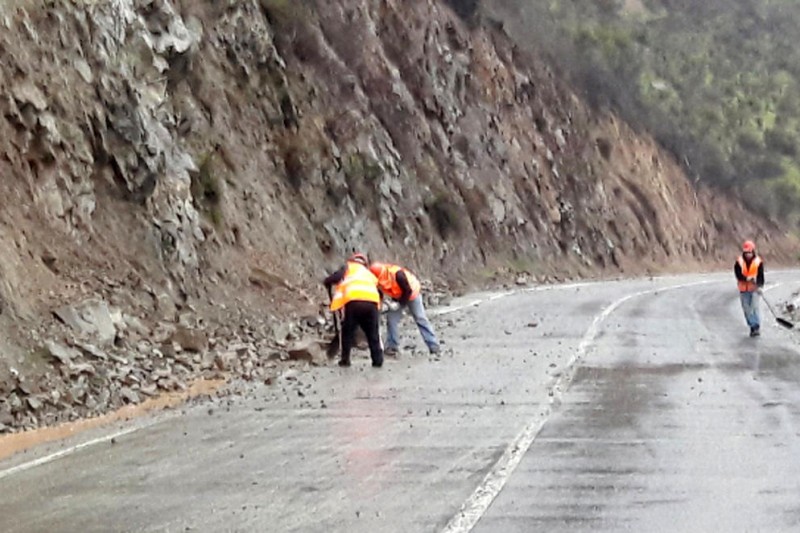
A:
{"points": [[628, 405]]}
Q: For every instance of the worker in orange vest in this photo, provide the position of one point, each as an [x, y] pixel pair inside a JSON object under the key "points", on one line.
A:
{"points": [[403, 287], [749, 271], [356, 292]]}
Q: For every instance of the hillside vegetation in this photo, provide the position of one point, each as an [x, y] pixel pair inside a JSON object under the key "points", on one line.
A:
{"points": [[716, 82]]}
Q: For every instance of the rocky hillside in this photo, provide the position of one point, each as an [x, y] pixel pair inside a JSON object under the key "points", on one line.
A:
{"points": [[179, 174]]}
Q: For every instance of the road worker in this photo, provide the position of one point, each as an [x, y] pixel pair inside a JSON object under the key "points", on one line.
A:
{"points": [[403, 289], [749, 271], [356, 293]]}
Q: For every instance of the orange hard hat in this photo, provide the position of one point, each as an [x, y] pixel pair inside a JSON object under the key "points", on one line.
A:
{"points": [[359, 258], [377, 269], [749, 246]]}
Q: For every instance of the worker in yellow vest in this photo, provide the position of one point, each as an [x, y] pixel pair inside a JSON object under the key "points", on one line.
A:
{"points": [[356, 293], [403, 287], [749, 271]]}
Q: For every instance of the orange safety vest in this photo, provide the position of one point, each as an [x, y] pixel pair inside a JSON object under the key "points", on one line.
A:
{"points": [[387, 282], [749, 272], [358, 284]]}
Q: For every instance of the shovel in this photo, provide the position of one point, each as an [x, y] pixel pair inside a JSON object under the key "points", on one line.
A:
{"points": [[335, 344], [782, 321]]}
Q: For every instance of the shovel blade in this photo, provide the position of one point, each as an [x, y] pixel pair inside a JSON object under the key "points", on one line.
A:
{"points": [[333, 347], [785, 323]]}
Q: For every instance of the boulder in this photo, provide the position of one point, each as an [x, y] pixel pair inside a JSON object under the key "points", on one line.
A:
{"points": [[190, 339], [90, 319], [306, 350], [64, 354]]}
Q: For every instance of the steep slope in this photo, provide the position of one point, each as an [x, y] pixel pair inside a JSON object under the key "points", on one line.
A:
{"points": [[180, 174]]}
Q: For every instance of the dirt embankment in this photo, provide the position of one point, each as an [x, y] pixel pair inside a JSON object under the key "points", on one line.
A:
{"points": [[178, 175]]}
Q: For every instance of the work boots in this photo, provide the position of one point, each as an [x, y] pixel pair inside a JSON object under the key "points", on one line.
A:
{"points": [[755, 331]]}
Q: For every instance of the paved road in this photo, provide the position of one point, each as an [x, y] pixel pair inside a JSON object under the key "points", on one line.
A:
{"points": [[637, 405]]}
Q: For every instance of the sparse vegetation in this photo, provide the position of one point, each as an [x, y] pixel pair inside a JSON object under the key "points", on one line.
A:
{"points": [[207, 190], [604, 147], [292, 152], [466, 9], [285, 14], [716, 82], [523, 265], [361, 166], [444, 214]]}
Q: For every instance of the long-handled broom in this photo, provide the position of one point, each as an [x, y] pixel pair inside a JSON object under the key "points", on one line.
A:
{"points": [[781, 321]]}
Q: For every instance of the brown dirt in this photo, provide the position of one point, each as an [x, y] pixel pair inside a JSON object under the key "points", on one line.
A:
{"points": [[18, 442]]}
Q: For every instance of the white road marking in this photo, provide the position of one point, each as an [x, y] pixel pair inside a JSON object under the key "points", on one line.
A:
{"points": [[66, 451], [72, 449], [493, 297], [478, 503]]}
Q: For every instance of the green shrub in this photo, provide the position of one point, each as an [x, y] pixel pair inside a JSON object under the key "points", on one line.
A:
{"points": [[360, 166], [285, 14], [466, 9], [445, 215], [207, 190]]}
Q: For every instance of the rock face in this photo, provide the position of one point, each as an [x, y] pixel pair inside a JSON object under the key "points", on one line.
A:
{"points": [[165, 159]]}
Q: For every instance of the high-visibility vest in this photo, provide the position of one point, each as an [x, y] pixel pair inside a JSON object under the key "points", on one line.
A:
{"points": [[387, 282], [749, 272], [358, 284]]}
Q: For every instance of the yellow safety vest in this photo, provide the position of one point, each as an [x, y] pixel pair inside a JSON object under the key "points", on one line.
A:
{"points": [[358, 284]]}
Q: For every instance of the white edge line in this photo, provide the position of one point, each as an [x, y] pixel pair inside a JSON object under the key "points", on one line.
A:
{"points": [[539, 288], [72, 449], [61, 453], [478, 503]]}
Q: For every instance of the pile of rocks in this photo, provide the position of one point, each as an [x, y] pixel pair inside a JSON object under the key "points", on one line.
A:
{"points": [[792, 307], [97, 358]]}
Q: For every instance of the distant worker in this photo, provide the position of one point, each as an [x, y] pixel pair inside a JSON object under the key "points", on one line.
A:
{"points": [[356, 291], [403, 287], [749, 270]]}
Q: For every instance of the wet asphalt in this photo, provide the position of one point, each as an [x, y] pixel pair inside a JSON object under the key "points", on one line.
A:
{"points": [[648, 407]]}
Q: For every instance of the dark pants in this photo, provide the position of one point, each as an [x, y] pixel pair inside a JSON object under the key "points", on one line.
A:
{"points": [[367, 316]]}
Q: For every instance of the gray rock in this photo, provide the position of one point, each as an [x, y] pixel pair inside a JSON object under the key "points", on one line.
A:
{"points": [[103, 398], [224, 361], [34, 403], [90, 402], [305, 350], [77, 393], [14, 403], [64, 354], [192, 340], [81, 368], [92, 351], [27, 93], [92, 319], [129, 396], [150, 389], [135, 325], [282, 332], [27, 387], [561, 140], [117, 359], [6, 417]]}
